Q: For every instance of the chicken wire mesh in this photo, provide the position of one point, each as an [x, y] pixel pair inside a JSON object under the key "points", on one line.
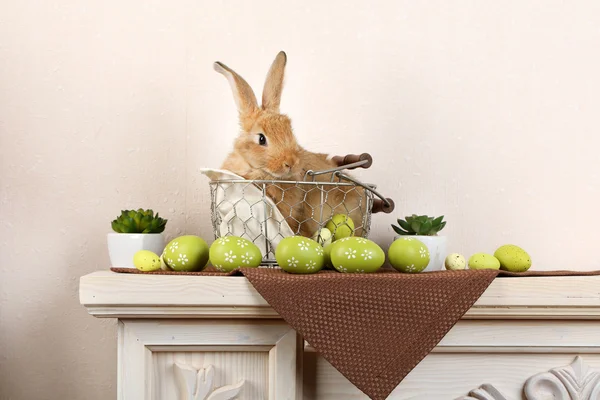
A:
{"points": [[267, 211]]}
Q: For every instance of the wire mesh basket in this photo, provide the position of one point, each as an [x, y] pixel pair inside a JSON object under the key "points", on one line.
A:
{"points": [[266, 211]]}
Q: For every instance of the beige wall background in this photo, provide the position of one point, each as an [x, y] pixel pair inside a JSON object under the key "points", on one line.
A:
{"points": [[484, 111]]}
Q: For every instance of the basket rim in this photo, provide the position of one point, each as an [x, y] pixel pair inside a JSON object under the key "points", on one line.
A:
{"points": [[274, 181]]}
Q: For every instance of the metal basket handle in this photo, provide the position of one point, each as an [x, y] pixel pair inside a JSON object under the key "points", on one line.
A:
{"points": [[364, 160], [382, 204], [352, 161], [386, 206]]}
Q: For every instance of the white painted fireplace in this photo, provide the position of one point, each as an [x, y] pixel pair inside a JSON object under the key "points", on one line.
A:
{"points": [[194, 338]]}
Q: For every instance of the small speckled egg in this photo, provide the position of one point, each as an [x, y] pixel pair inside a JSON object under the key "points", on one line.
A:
{"points": [[231, 252], [186, 253], [407, 254], [356, 255], [323, 236], [146, 260], [455, 262], [513, 258], [299, 255], [483, 261]]}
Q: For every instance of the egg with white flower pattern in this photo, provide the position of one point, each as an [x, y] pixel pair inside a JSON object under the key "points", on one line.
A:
{"points": [[356, 255], [186, 253], [299, 255], [409, 255], [231, 252]]}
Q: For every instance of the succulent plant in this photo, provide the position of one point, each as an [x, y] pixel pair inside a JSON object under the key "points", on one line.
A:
{"points": [[138, 221], [419, 225]]}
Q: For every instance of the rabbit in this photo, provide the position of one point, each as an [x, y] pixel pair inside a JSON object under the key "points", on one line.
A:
{"points": [[266, 149]]}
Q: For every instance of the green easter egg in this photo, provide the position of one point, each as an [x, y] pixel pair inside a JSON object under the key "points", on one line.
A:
{"points": [[483, 261], [186, 253], [409, 255], [231, 252], [341, 226], [146, 260], [513, 258], [356, 255], [299, 255]]}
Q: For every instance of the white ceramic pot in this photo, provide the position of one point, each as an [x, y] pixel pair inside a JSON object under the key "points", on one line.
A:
{"points": [[122, 246], [437, 250]]}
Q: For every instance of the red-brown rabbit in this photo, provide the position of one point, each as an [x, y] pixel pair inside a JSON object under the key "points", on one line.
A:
{"points": [[266, 149]]}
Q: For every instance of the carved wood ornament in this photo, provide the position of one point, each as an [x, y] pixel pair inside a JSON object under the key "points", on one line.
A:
{"points": [[576, 381], [197, 384]]}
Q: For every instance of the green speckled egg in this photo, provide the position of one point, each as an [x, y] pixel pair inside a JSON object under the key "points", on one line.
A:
{"points": [[513, 258], [231, 252], [407, 254], [356, 254], [300, 255], [146, 260], [186, 253], [483, 261]]}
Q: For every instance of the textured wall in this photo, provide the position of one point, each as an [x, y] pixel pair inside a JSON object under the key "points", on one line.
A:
{"points": [[484, 111]]}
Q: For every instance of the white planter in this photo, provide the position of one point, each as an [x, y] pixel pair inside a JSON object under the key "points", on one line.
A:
{"points": [[437, 250], [122, 246]]}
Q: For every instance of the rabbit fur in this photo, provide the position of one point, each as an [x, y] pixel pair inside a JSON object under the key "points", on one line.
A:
{"points": [[266, 149]]}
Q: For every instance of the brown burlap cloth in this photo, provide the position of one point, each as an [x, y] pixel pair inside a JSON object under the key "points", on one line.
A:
{"points": [[373, 328]]}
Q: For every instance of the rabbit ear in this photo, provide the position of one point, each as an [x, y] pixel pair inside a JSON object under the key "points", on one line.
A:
{"points": [[274, 84], [243, 95]]}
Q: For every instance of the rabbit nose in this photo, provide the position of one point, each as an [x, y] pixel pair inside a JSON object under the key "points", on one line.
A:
{"points": [[289, 163]]}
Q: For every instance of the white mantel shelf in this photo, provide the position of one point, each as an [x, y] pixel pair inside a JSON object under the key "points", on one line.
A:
{"points": [[185, 337], [116, 295]]}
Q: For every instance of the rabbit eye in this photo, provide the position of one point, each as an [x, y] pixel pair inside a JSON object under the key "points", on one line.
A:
{"points": [[262, 140]]}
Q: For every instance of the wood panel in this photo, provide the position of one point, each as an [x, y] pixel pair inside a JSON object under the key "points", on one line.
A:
{"points": [[149, 351], [230, 367], [443, 376], [502, 353], [109, 294]]}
